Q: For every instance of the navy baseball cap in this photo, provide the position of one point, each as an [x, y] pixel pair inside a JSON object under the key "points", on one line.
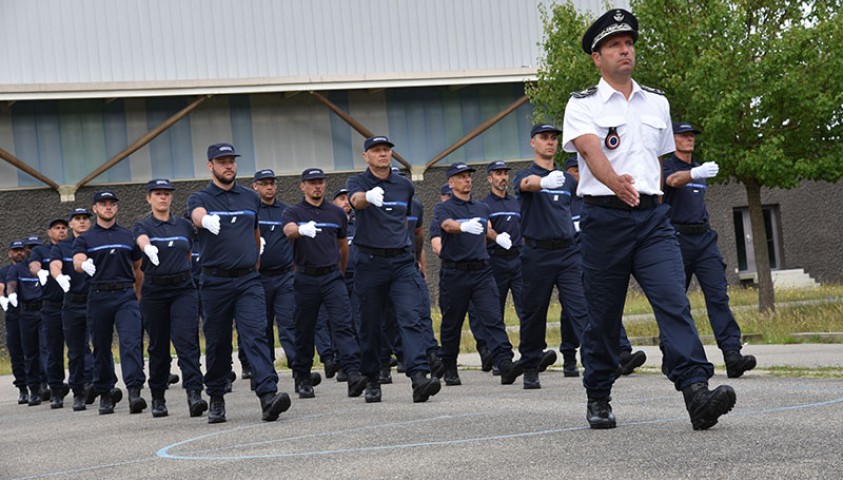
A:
{"points": [[159, 184], [571, 162], [218, 150], [684, 127], [543, 127], [456, 168], [611, 23], [312, 174], [32, 240], [445, 189], [498, 165], [16, 245], [263, 174], [104, 195], [55, 221], [377, 140], [340, 191], [79, 211]]}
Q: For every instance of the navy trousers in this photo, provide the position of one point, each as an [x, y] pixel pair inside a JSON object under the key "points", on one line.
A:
{"points": [[51, 326], [109, 310], [392, 339], [171, 313], [571, 339], [15, 346], [508, 277], [79, 358], [616, 244], [224, 300], [30, 335]]}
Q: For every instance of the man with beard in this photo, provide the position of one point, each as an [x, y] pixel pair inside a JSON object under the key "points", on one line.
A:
{"points": [[14, 343]]}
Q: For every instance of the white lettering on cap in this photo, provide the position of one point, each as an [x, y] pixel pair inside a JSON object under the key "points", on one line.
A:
{"points": [[379, 139], [226, 149], [314, 172], [161, 182]]}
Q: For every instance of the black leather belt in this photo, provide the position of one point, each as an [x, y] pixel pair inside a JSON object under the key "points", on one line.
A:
{"points": [[221, 272], [611, 201], [556, 244], [500, 252], [30, 306], [110, 287], [76, 298], [174, 279], [691, 228], [471, 265], [51, 303], [315, 271], [274, 272], [382, 252]]}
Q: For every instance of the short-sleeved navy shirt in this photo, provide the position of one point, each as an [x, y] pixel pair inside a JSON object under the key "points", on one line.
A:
{"points": [[43, 255], [415, 220], [352, 249], [28, 286], [174, 239], [505, 215], [385, 226], [546, 214], [277, 253], [234, 247], [460, 247], [687, 203], [113, 250], [321, 250], [78, 280]]}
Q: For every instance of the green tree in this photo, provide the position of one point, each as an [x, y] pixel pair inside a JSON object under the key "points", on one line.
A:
{"points": [[763, 78]]}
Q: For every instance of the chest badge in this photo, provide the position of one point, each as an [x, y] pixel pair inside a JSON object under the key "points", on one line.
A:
{"points": [[612, 140]]}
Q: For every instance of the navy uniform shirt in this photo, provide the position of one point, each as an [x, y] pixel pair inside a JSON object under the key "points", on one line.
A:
{"points": [[505, 215], [460, 247], [687, 203], [28, 286], [352, 250], [113, 250], [277, 253], [415, 221], [78, 280], [576, 205], [43, 255], [6, 277], [386, 226], [546, 214], [234, 247], [321, 250], [174, 239]]}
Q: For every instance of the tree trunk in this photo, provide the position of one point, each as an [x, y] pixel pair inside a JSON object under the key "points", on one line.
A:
{"points": [[766, 296]]}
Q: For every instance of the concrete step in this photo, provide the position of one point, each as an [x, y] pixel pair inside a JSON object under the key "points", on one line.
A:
{"points": [[786, 279]]}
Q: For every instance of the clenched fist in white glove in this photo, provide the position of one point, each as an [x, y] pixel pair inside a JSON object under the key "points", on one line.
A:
{"points": [[375, 196], [706, 170], [64, 282], [89, 267], [43, 275], [309, 229], [4, 303], [472, 226], [13, 299], [504, 241], [263, 246], [211, 223], [151, 251], [554, 179]]}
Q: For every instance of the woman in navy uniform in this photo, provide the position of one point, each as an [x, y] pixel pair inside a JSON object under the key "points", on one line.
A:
{"points": [[169, 302]]}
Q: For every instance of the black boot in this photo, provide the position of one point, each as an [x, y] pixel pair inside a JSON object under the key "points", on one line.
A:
{"points": [[246, 373], [356, 384], [136, 402], [315, 378], [230, 381], [57, 397], [423, 387], [79, 400], [34, 396], [273, 405], [510, 371], [706, 406], [195, 404], [629, 361], [342, 376], [452, 377], [385, 376], [373, 391], [548, 359], [23, 397], [486, 359], [737, 364], [45, 392], [531, 379], [304, 387], [217, 412], [116, 395], [437, 368], [569, 365], [90, 394], [599, 414], [107, 403], [159, 403], [331, 368], [174, 379]]}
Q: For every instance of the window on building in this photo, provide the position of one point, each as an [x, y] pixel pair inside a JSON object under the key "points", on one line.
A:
{"points": [[743, 238]]}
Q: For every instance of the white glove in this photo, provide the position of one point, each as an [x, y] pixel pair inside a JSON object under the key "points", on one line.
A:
{"points": [[43, 275], [309, 229], [4, 303], [64, 282], [211, 223], [472, 226], [151, 251], [263, 246], [89, 267], [554, 179], [13, 299], [706, 170], [504, 241], [375, 196]]}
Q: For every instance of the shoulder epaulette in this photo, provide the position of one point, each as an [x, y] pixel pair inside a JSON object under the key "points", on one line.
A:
{"points": [[652, 90], [585, 93]]}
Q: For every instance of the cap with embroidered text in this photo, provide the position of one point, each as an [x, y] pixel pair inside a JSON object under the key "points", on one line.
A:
{"points": [[543, 127], [16, 245], [55, 221], [613, 22], [32, 240], [376, 140], [218, 150], [264, 174], [338, 192], [312, 174], [104, 195], [571, 162], [79, 211], [457, 168], [684, 127], [159, 184], [498, 165]]}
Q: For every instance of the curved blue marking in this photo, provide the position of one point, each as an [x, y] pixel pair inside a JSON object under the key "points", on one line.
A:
{"points": [[575, 217], [394, 204], [501, 214], [555, 192], [462, 220], [695, 185], [167, 239], [106, 247], [234, 213], [269, 222]]}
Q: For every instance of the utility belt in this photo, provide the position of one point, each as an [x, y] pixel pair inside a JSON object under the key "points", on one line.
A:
{"points": [[692, 228], [315, 271], [382, 252], [110, 287], [174, 279], [469, 265], [30, 306], [500, 252], [274, 272], [222, 272], [555, 244], [76, 298], [611, 201]]}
